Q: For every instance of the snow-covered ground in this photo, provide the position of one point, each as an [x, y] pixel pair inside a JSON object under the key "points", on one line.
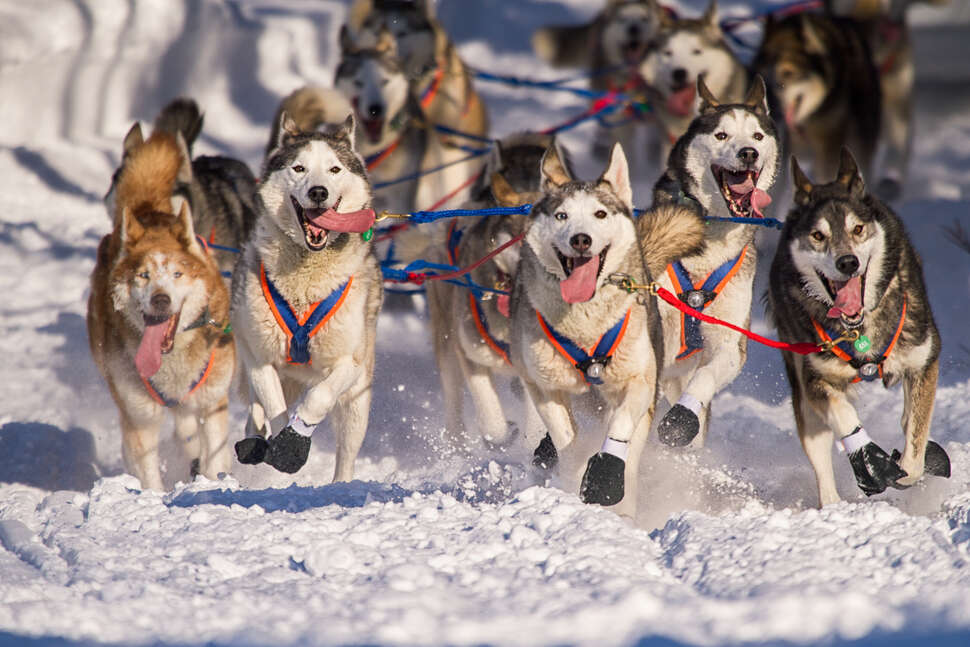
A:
{"points": [[429, 547]]}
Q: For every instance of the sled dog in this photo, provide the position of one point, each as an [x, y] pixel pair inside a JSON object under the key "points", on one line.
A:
{"points": [[218, 189], [683, 51], [611, 47], [845, 265], [470, 329], [723, 166], [305, 299], [819, 70], [158, 317], [439, 80], [573, 330]]}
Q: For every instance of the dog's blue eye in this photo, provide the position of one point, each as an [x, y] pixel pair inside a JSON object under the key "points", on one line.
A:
{"points": [[561, 215], [600, 214], [299, 168], [721, 136], [144, 275], [178, 275], [758, 136]]}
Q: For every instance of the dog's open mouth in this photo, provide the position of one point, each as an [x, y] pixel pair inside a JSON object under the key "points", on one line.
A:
{"points": [[582, 273], [374, 128], [157, 339], [680, 102], [740, 192], [310, 220], [847, 299], [633, 51]]}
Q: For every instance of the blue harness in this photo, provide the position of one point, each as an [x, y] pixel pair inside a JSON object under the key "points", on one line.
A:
{"points": [[698, 296], [590, 364]]}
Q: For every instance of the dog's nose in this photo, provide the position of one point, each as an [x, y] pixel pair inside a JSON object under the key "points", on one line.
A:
{"points": [[375, 110], [748, 155], [679, 76], [161, 301], [317, 194], [580, 242], [847, 264]]}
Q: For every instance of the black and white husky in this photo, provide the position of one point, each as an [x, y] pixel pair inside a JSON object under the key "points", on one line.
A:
{"points": [[305, 299], [844, 264], [724, 166]]}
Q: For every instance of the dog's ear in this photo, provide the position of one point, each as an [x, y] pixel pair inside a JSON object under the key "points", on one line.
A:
{"points": [[133, 139], [617, 175], [711, 25], [803, 186], [553, 172], [386, 43], [814, 44], [131, 229], [347, 130], [184, 173], [426, 7], [347, 43], [756, 98], [186, 232], [356, 15], [503, 192], [849, 175], [286, 131], [708, 100]]}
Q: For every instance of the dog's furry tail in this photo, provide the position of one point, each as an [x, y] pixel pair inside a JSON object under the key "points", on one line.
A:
{"points": [[182, 115], [569, 46], [668, 232], [310, 107]]}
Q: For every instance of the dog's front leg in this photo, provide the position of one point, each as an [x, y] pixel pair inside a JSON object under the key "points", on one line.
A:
{"points": [[919, 392], [265, 384], [139, 444], [874, 469], [611, 473], [553, 408]]}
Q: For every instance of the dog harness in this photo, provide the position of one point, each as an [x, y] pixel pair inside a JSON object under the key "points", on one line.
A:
{"points": [[590, 364], [299, 330], [698, 296], [373, 161], [161, 399], [868, 369], [429, 93]]}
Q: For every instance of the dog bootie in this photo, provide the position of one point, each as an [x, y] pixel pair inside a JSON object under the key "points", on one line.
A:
{"points": [[251, 450], [545, 456], [603, 480], [678, 427], [287, 450], [874, 468], [936, 462]]}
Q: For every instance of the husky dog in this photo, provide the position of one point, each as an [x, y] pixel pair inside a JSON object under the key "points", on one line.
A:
{"points": [[612, 46], [158, 319], [684, 51], [470, 331], [305, 299], [218, 189], [724, 166], [819, 70], [884, 25], [439, 80], [844, 263], [572, 330]]}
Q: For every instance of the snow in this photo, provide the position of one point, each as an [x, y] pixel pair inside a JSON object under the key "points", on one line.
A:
{"points": [[429, 547]]}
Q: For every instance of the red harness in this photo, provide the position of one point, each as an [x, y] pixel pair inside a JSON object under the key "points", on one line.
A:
{"points": [[858, 363], [157, 396]]}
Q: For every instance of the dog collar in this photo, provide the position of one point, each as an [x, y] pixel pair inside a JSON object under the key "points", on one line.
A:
{"points": [[299, 330], [867, 369], [165, 401], [590, 364], [698, 296]]}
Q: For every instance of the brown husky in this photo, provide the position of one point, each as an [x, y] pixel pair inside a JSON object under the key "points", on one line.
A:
{"points": [[157, 318]]}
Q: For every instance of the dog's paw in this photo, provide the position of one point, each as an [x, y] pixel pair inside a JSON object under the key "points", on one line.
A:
{"points": [[936, 462], [288, 450], [251, 450], [875, 470], [603, 480], [503, 443], [545, 457], [678, 427]]}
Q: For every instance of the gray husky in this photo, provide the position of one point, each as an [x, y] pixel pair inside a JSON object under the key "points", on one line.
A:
{"points": [[573, 330], [724, 166], [305, 299], [820, 71], [845, 265], [219, 190]]}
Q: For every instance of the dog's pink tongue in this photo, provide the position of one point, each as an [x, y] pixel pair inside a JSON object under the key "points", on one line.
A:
{"points": [[759, 200], [148, 358], [354, 222], [681, 102], [581, 284], [502, 303], [848, 300]]}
